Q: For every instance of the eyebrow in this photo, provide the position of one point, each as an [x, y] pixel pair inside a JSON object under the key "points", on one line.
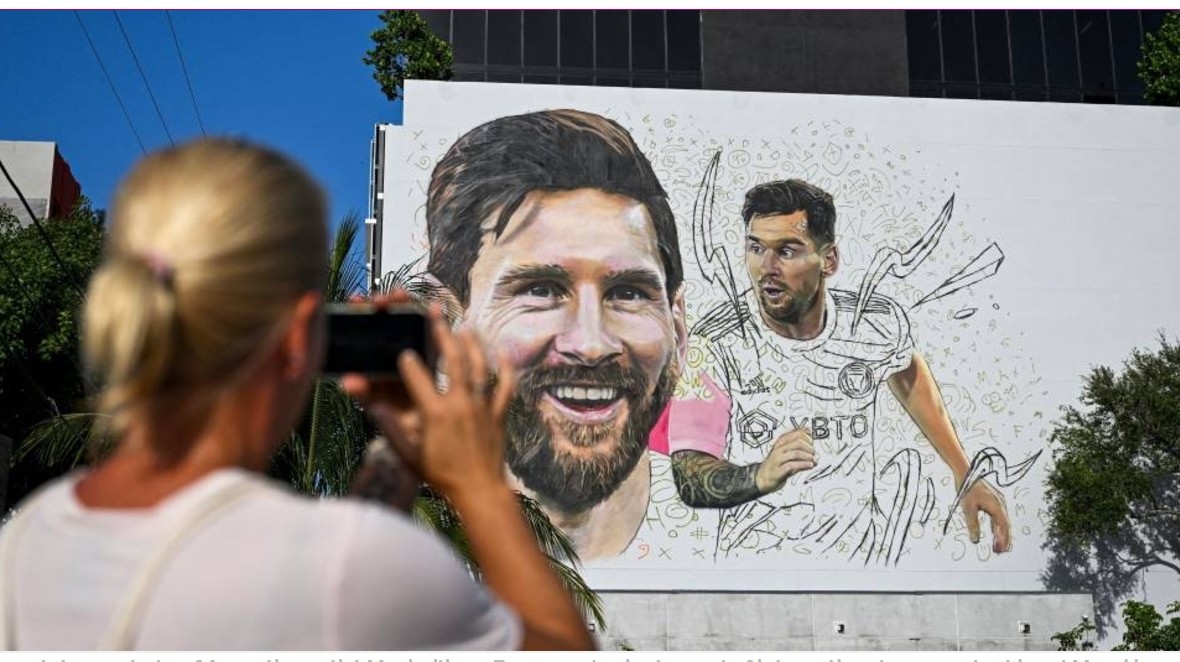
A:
{"points": [[532, 273], [792, 241], [638, 276]]}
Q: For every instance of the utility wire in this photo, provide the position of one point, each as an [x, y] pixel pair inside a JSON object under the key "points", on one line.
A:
{"points": [[109, 81], [44, 235], [144, 77], [184, 68]]}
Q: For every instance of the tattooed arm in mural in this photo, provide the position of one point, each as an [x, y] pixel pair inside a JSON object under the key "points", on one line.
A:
{"points": [[918, 393], [698, 428]]}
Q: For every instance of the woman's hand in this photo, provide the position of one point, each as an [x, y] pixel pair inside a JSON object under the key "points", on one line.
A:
{"points": [[453, 439]]}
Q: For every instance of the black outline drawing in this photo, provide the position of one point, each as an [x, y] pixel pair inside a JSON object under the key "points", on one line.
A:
{"points": [[878, 530]]}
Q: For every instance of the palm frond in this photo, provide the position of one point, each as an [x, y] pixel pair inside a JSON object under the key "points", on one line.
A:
{"points": [[346, 271], [422, 287], [66, 441], [435, 512], [322, 455], [583, 596], [553, 541]]}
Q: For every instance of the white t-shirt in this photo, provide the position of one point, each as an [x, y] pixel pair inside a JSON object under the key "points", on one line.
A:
{"points": [[272, 571]]}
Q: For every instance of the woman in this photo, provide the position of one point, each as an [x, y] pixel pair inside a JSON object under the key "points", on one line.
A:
{"points": [[205, 324]]}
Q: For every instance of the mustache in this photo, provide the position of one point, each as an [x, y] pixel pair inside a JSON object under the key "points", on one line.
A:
{"points": [[533, 381]]}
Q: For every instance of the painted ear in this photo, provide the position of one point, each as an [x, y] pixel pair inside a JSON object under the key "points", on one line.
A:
{"points": [[831, 258]]}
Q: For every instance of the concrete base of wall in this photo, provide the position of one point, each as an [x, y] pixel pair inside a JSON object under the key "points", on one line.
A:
{"points": [[871, 621]]}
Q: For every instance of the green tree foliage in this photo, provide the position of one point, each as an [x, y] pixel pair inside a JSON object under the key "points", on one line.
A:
{"points": [[1145, 630], [404, 47], [40, 299], [1115, 484], [1159, 68]]}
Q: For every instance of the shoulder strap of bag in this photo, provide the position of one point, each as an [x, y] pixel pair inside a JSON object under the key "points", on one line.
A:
{"points": [[123, 628], [125, 625]]}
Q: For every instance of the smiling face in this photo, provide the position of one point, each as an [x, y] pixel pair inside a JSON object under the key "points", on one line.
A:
{"points": [[785, 266], [573, 291]]}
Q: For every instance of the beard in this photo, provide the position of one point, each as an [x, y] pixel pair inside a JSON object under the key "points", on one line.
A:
{"points": [[791, 310], [577, 482]]}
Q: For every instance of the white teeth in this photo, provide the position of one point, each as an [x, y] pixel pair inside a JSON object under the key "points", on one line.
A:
{"points": [[593, 393]]}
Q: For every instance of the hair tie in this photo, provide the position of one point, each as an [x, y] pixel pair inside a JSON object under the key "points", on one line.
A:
{"points": [[161, 268]]}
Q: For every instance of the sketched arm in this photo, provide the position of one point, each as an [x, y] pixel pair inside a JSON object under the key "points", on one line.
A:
{"points": [[918, 393]]}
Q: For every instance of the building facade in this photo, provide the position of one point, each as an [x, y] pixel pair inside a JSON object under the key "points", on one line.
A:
{"points": [[1081, 56], [43, 177]]}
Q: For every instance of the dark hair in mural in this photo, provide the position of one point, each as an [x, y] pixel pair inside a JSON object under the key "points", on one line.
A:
{"points": [[790, 196], [491, 169]]}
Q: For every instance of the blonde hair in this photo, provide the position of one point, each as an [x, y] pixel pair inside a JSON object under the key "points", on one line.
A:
{"points": [[210, 244]]}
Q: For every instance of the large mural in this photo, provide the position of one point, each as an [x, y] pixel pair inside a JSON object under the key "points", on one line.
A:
{"points": [[762, 341]]}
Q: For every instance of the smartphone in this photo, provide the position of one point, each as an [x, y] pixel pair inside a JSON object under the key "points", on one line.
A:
{"points": [[366, 339]]}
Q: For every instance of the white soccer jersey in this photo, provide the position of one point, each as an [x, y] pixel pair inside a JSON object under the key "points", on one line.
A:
{"points": [[860, 498]]}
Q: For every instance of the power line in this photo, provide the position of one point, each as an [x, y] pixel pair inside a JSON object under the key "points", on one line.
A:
{"points": [[44, 235], [144, 77], [184, 68], [109, 81]]}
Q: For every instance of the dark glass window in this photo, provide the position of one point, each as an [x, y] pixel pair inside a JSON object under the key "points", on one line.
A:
{"points": [[925, 57], [540, 38], [612, 41], [684, 40], [1028, 49], [649, 81], [962, 91], [991, 40], [439, 21], [1030, 93], [995, 91], [647, 39], [538, 79], [503, 78], [1061, 47], [1152, 19], [577, 80], [577, 39], [1094, 51], [607, 81], [466, 75], [504, 37], [1126, 39], [926, 90], [958, 45], [468, 38], [685, 82]]}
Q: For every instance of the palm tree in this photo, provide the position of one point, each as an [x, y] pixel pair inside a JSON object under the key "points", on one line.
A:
{"points": [[324, 452]]}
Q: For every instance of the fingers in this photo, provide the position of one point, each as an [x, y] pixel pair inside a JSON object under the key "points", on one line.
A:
{"points": [[1001, 528], [357, 386], [450, 351], [505, 386], [971, 513], [477, 363], [419, 380]]}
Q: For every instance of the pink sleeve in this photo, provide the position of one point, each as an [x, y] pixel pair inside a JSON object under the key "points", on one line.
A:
{"points": [[694, 424]]}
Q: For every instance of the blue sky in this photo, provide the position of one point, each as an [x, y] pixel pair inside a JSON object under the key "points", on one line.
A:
{"points": [[290, 79]]}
